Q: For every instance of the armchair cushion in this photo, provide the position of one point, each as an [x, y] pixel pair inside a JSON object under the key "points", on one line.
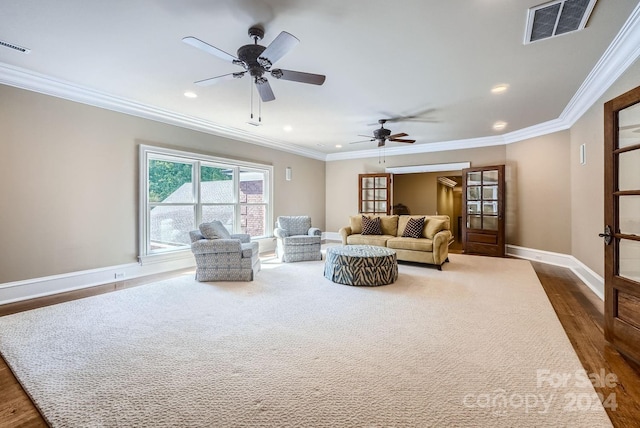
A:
{"points": [[214, 230], [295, 225]]}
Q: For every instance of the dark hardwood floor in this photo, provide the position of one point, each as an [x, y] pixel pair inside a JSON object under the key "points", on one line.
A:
{"points": [[579, 311]]}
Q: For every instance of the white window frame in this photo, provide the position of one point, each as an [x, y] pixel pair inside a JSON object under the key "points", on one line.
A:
{"points": [[150, 152]]}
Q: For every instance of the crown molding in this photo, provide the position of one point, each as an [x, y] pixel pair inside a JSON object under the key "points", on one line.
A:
{"points": [[37, 82], [621, 53]]}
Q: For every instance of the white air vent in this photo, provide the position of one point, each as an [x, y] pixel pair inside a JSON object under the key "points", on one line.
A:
{"points": [[556, 18], [14, 47]]}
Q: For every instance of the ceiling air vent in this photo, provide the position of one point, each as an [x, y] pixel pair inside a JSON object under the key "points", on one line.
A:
{"points": [[14, 47], [557, 17]]}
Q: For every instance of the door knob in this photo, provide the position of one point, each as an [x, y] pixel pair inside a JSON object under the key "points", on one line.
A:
{"points": [[606, 235]]}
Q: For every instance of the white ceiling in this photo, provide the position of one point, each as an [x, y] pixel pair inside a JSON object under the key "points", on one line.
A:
{"points": [[381, 59]]}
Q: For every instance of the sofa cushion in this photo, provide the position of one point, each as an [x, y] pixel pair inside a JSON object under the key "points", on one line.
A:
{"points": [[214, 230], [416, 244], [389, 224], [371, 226], [359, 239], [413, 228], [355, 222], [434, 225]]}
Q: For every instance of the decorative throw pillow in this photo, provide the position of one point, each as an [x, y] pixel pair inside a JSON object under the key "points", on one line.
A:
{"points": [[414, 228], [371, 226], [214, 230]]}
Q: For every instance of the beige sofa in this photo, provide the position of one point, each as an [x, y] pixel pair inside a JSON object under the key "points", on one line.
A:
{"points": [[432, 247]]}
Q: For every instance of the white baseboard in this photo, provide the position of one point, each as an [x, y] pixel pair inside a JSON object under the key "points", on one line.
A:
{"points": [[16, 291], [331, 236], [591, 279]]}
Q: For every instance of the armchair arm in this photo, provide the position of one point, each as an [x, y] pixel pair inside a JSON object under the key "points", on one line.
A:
{"points": [[280, 233], [208, 246], [243, 237], [441, 246], [344, 232], [314, 231]]}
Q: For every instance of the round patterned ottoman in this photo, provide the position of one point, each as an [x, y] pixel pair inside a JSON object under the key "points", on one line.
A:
{"points": [[361, 265]]}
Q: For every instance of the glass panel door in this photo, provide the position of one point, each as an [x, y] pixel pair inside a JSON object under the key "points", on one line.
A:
{"points": [[374, 193], [622, 223], [483, 207]]}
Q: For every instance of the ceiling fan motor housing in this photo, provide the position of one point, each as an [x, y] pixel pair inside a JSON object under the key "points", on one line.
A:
{"points": [[249, 54], [381, 134]]}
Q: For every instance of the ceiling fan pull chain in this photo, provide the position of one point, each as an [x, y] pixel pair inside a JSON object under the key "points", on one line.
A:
{"points": [[260, 110], [251, 97]]}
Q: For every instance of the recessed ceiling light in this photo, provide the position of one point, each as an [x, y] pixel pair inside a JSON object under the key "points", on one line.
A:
{"points": [[500, 89], [190, 94], [287, 128], [338, 146], [499, 126]]}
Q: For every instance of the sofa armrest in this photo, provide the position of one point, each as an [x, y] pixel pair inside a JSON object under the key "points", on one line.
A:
{"points": [[441, 246], [314, 231], [208, 246], [344, 232], [243, 237]]}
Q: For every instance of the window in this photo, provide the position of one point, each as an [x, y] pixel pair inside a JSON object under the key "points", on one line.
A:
{"points": [[180, 190]]}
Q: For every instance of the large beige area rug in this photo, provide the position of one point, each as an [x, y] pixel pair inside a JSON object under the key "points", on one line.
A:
{"points": [[476, 345]]}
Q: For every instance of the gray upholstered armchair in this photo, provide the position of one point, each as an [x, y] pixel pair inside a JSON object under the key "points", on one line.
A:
{"points": [[296, 239], [221, 256]]}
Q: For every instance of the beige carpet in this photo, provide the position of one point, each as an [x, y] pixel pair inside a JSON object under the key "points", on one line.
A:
{"points": [[457, 348]]}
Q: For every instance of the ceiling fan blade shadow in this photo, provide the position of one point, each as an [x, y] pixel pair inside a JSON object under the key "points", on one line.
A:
{"points": [[265, 91], [417, 116], [298, 76], [214, 80], [401, 134], [204, 46], [279, 47], [401, 140]]}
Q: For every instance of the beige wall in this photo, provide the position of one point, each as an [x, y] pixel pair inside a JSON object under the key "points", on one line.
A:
{"points": [[69, 182], [342, 177], [538, 195], [587, 191]]}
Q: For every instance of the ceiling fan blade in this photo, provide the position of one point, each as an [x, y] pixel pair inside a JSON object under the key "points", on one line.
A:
{"points": [[363, 141], [264, 89], [401, 140], [279, 47], [298, 76], [401, 134], [213, 80], [204, 46]]}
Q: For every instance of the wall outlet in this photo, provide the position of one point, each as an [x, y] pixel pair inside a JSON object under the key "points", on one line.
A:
{"points": [[119, 275]]}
